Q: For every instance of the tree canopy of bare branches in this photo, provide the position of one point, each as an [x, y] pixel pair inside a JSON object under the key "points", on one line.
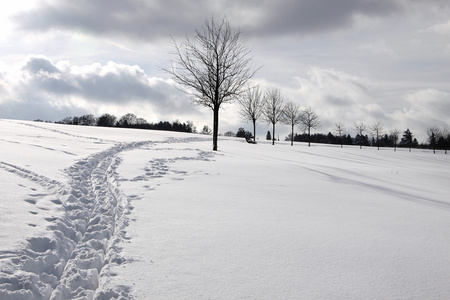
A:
{"points": [[377, 131], [292, 117], [395, 135], [339, 128], [273, 109], [213, 68], [433, 136], [309, 120], [251, 106], [360, 129]]}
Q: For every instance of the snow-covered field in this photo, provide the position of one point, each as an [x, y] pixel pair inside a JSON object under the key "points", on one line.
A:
{"points": [[104, 213]]}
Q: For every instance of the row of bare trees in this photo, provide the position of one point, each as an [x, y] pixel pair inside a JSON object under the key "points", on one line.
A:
{"points": [[437, 138], [214, 68], [272, 108]]}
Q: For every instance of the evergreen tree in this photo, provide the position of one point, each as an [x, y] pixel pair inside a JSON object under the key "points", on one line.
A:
{"points": [[243, 133], [407, 139]]}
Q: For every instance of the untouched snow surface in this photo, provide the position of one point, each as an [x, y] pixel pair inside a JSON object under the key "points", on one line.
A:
{"points": [[106, 213]]}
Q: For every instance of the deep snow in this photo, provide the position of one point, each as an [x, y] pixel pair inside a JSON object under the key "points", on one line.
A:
{"points": [[106, 213]]}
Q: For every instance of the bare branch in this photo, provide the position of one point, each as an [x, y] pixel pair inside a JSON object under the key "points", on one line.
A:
{"points": [[339, 128], [360, 129], [273, 109], [377, 131], [292, 117], [309, 120], [251, 106]]}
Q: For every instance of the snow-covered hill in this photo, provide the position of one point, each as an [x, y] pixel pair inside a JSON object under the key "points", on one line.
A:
{"points": [[107, 213]]}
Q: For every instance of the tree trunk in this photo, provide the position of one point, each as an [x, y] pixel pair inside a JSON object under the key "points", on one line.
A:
{"points": [[273, 134], [254, 130], [309, 136], [215, 126], [292, 136]]}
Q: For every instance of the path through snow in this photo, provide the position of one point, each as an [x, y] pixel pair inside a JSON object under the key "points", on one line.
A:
{"points": [[74, 259]]}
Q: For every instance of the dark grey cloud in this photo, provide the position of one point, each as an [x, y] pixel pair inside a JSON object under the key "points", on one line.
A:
{"points": [[40, 64], [309, 16], [150, 20], [137, 19]]}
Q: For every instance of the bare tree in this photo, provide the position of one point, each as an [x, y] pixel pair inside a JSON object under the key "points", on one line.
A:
{"points": [[213, 68], [252, 106], [377, 131], [309, 120], [444, 140], [395, 135], [106, 120], [88, 120], [360, 129], [127, 120], [433, 136], [292, 117], [273, 109], [339, 128]]}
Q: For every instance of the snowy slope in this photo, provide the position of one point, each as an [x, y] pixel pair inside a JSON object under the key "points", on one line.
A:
{"points": [[88, 212]]}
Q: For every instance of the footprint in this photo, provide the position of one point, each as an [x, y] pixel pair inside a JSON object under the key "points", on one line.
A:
{"points": [[41, 244], [32, 225], [33, 212], [56, 201], [38, 195], [31, 201], [52, 219]]}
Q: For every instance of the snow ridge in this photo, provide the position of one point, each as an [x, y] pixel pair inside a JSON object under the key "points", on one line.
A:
{"points": [[75, 261]]}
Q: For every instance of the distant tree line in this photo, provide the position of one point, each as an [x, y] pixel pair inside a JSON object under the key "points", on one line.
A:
{"points": [[128, 121], [359, 140], [273, 109], [437, 139]]}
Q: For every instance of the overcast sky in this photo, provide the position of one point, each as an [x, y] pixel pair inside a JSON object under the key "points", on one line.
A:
{"points": [[351, 61]]}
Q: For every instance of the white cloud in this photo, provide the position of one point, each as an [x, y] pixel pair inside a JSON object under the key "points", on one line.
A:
{"points": [[337, 96], [61, 87], [425, 108], [341, 97]]}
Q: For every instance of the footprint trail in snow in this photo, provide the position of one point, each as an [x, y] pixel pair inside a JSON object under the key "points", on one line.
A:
{"points": [[75, 260]]}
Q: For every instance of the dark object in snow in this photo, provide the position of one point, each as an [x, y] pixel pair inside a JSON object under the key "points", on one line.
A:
{"points": [[250, 141]]}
